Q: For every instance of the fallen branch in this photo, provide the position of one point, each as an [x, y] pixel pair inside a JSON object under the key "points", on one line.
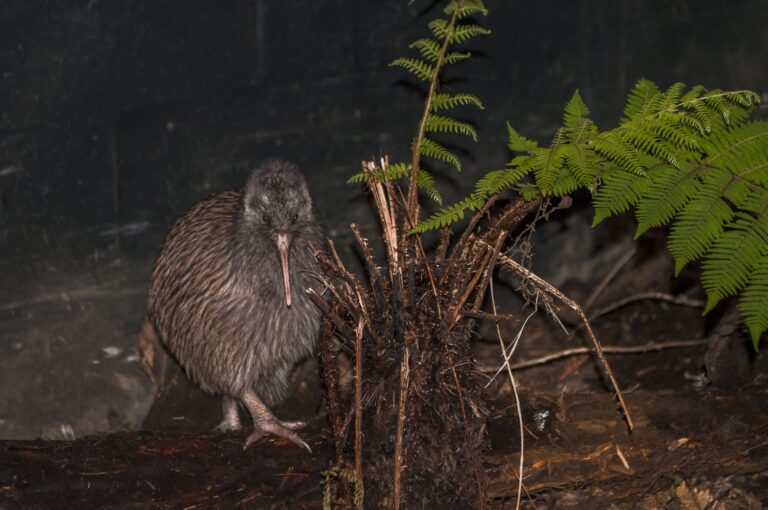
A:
{"points": [[617, 267], [609, 349], [544, 286], [642, 296]]}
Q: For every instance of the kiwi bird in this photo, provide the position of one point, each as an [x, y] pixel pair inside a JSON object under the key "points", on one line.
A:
{"points": [[228, 294]]}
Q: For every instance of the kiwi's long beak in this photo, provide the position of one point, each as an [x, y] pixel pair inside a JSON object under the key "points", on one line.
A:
{"points": [[283, 246]]}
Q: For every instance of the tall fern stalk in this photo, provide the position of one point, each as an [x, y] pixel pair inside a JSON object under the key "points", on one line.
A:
{"points": [[413, 202]]}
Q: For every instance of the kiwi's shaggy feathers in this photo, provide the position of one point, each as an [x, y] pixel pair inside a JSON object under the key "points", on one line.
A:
{"points": [[217, 297]]}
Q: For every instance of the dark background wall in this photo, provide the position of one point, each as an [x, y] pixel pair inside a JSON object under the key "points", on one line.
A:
{"points": [[129, 111], [123, 114]]}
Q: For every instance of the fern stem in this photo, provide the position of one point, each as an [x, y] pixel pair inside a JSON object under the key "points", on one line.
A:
{"points": [[412, 206]]}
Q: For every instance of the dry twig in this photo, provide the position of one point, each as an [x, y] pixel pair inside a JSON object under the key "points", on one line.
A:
{"points": [[543, 286], [401, 416], [608, 349], [359, 400]]}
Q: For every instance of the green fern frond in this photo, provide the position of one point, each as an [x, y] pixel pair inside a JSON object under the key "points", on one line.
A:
{"points": [[693, 94], [440, 124], [358, 178], [435, 55], [667, 191], [426, 183], [670, 131], [419, 68], [575, 114], [564, 182], [549, 164], [492, 183], [466, 8], [733, 256], [752, 304], [455, 56], [463, 33], [446, 216], [645, 141], [716, 103], [640, 99], [432, 149], [739, 148], [618, 151], [616, 193], [582, 164], [519, 143], [667, 101], [428, 48], [439, 28], [706, 117], [746, 99], [393, 172], [528, 190], [701, 221], [730, 107], [442, 101], [685, 158], [497, 181]]}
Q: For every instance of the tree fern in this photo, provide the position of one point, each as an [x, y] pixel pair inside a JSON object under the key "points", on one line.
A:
{"points": [[689, 159]]}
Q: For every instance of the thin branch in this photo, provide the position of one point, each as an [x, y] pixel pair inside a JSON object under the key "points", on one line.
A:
{"points": [[459, 246], [608, 349], [456, 315], [427, 266], [488, 275], [359, 399], [331, 380], [517, 403], [512, 215], [374, 270], [401, 416], [641, 296], [500, 317], [617, 267], [343, 292], [338, 322], [356, 287], [442, 247], [544, 286]]}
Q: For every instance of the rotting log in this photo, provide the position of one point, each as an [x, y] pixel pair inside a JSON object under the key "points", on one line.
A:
{"points": [[680, 435], [130, 470]]}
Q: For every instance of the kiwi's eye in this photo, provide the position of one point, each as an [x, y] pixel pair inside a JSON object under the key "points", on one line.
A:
{"points": [[266, 218], [294, 217]]}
